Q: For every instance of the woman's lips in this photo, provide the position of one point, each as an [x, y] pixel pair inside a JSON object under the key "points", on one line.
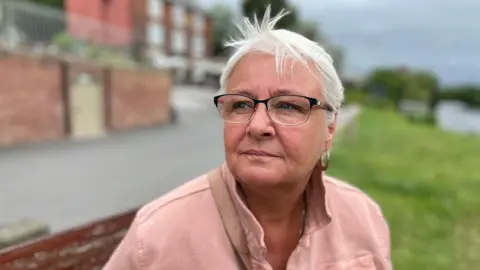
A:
{"points": [[259, 153]]}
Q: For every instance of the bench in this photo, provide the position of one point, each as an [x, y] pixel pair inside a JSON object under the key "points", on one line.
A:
{"points": [[86, 247]]}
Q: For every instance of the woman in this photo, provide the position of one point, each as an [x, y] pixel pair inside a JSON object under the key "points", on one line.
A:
{"points": [[270, 206]]}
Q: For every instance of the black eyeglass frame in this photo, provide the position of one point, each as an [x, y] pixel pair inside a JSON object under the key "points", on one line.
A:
{"points": [[313, 103]]}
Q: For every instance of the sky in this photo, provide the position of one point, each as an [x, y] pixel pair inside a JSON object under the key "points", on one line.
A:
{"points": [[440, 35]]}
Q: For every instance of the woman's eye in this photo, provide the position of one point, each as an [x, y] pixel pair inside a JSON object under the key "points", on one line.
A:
{"points": [[285, 106], [241, 105]]}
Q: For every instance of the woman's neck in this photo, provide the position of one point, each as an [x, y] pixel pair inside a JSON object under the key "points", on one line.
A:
{"points": [[273, 206], [277, 208], [282, 217]]}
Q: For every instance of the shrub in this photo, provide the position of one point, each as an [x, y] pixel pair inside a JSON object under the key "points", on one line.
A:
{"points": [[469, 94]]}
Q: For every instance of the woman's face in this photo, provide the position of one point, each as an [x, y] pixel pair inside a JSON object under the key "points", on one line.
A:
{"points": [[294, 150]]}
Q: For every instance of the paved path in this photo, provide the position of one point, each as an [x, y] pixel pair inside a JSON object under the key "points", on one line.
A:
{"points": [[71, 183]]}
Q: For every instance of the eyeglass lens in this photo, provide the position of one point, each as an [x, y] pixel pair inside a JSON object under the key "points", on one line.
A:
{"points": [[287, 110]]}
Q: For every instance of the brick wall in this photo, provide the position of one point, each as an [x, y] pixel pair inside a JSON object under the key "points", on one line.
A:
{"points": [[139, 98], [209, 37], [31, 100], [168, 18], [102, 21], [34, 97]]}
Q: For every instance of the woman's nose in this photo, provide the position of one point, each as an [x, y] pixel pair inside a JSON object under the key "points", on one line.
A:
{"points": [[260, 125]]}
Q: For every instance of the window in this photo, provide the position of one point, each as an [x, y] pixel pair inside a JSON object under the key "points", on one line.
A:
{"points": [[198, 23], [179, 41], [198, 47], [178, 16], [155, 34], [155, 8]]}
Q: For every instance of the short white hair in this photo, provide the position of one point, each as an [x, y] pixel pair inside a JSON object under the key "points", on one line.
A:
{"points": [[262, 36]]}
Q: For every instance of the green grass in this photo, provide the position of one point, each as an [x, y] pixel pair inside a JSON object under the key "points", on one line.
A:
{"points": [[427, 183]]}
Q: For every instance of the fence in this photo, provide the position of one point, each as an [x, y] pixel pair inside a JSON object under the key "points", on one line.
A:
{"points": [[35, 28]]}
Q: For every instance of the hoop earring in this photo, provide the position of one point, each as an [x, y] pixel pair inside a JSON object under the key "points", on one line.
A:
{"points": [[325, 160]]}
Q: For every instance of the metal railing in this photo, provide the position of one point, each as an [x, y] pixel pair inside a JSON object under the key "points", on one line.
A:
{"points": [[36, 28]]}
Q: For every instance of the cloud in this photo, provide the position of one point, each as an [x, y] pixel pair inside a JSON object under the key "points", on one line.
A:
{"points": [[440, 35], [336, 4]]}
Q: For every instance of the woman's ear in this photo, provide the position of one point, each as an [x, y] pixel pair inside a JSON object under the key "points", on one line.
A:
{"points": [[329, 142], [331, 132]]}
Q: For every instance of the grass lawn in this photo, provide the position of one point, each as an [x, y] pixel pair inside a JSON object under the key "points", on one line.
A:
{"points": [[427, 183]]}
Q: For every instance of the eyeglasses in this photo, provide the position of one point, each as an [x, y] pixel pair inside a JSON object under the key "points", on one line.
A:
{"points": [[288, 110]]}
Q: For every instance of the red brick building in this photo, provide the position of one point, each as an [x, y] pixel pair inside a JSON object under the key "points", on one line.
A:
{"points": [[165, 27]]}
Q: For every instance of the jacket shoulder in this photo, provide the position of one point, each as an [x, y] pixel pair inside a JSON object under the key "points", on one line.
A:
{"points": [[340, 190], [350, 205], [174, 199], [169, 229]]}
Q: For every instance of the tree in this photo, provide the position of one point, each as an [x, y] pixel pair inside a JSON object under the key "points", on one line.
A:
{"points": [[468, 94], [397, 84], [223, 27], [311, 30], [428, 86], [387, 83], [258, 7]]}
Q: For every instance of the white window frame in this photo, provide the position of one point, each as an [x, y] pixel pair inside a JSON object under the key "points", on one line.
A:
{"points": [[155, 8], [179, 16], [155, 33], [199, 22], [179, 41], [198, 45]]}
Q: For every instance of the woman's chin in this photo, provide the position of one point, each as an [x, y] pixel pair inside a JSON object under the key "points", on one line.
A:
{"points": [[260, 175]]}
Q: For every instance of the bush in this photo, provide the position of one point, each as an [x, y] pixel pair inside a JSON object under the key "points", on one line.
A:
{"points": [[468, 94], [386, 83], [396, 84], [360, 96], [382, 103], [354, 96], [64, 42]]}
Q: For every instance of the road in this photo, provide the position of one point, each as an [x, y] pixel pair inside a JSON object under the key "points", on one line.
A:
{"points": [[70, 183]]}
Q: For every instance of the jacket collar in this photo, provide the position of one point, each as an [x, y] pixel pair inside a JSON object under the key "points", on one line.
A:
{"points": [[318, 214]]}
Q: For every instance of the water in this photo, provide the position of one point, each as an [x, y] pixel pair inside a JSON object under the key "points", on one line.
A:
{"points": [[457, 117]]}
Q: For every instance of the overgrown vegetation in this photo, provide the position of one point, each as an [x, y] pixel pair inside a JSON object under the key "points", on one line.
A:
{"points": [[469, 94], [67, 45], [393, 85]]}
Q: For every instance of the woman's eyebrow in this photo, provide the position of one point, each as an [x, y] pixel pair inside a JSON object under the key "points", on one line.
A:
{"points": [[243, 92], [285, 91], [275, 92]]}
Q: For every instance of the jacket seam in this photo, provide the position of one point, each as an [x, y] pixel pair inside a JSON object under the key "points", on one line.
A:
{"points": [[139, 247], [145, 216], [345, 186]]}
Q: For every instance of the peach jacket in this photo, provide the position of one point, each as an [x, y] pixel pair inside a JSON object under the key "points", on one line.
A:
{"points": [[183, 230]]}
